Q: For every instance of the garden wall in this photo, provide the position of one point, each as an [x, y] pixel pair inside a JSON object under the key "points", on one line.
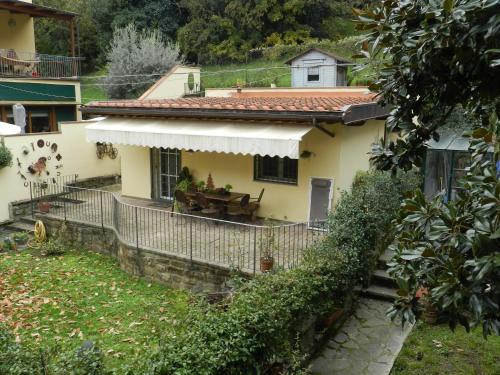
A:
{"points": [[170, 269]]}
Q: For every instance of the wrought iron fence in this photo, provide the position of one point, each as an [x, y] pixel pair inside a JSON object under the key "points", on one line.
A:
{"points": [[205, 239], [36, 65]]}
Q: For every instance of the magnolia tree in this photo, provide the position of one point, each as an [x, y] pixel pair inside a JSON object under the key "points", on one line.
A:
{"points": [[437, 56], [136, 60]]}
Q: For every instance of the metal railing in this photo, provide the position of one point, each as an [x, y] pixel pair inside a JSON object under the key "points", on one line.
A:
{"points": [[15, 63], [204, 239]]}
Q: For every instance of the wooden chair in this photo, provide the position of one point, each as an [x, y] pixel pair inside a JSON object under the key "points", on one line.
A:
{"points": [[206, 207], [254, 206], [241, 209], [184, 203]]}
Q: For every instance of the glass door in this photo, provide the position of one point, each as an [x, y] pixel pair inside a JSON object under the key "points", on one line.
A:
{"points": [[169, 160]]}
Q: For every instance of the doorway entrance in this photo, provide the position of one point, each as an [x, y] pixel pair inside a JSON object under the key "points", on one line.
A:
{"points": [[320, 200], [166, 168]]}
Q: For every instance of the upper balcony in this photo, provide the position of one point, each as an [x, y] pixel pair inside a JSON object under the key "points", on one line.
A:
{"points": [[18, 56], [21, 64]]}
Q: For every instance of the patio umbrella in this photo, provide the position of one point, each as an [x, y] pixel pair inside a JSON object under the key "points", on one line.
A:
{"points": [[9, 129]]}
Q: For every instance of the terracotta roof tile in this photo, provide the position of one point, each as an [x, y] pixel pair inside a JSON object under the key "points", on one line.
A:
{"points": [[323, 103]]}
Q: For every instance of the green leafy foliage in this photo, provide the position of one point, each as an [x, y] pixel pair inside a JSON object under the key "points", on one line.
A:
{"points": [[257, 327], [134, 54], [453, 249], [224, 30], [17, 359], [5, 156], [52, 247], [442, 56], [439, 55], [361, 222]]}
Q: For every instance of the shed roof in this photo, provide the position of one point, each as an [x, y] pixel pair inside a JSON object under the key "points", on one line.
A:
{"points": [[330, 54]]}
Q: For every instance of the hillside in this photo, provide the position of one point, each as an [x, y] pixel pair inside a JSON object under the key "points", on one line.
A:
{"points": [[268, 67]]}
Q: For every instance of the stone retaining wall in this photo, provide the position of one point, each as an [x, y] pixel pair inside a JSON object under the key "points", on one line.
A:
{"points": [[170, 269]]}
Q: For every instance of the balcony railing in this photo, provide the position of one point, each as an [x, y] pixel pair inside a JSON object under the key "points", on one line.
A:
{"points": [[37, 65]]}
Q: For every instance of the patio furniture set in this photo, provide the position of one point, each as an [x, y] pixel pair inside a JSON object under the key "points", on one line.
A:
{"points": [[227, 205]]}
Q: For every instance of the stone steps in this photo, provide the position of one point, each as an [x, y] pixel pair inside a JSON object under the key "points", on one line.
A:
{"points": [[382, 286], [380, 293], [20, 226], [382, 278]]}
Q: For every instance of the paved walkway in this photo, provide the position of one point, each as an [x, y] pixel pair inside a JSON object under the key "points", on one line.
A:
{"points": [[367, 344]]}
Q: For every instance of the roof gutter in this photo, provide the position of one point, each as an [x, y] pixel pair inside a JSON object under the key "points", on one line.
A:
{"points": [[359, 113], [302, 116]]}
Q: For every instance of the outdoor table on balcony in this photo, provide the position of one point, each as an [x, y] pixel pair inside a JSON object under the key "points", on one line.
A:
{"points": [[218, 198]]}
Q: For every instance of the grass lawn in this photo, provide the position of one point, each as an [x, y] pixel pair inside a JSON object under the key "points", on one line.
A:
{"points": [[436, 350], [257, 73], [64, 300], [91, 93]]}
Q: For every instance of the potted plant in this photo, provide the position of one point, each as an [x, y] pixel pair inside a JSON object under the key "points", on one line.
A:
{"points": [[200, 186], [21, 238], [267, 248], [44, 206], [228, 188], [430, 313], [8, 244]]}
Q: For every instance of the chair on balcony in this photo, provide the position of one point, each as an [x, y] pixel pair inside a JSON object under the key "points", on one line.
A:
{"points": [[207, 208], [254, 205], [239, 211], [184, 204]]}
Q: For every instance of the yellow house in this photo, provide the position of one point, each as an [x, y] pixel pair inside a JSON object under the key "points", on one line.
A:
{"points": [[47, 86], [301, 146]]}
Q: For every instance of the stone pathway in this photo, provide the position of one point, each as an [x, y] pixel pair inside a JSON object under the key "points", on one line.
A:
{"points": [[367, 344]]}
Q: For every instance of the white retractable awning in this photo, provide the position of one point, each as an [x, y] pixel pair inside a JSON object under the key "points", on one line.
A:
{"points": [[228, 137]]}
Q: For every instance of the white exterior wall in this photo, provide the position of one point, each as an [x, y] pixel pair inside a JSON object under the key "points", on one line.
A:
{"points": [[172, 85], [78, 157], [327, 70]]}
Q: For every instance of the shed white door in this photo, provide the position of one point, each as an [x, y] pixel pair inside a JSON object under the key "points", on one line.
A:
{"points": [[320, 201]]}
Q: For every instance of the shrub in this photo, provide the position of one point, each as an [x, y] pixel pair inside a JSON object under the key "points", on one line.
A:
{"points": [[52, 247], [136, 60], [360, 224], [16, 359], [257, 328], [5, 156]]}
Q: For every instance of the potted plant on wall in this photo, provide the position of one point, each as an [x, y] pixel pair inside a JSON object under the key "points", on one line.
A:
{"points": [[21, 238], [5, 155], [267, 248]]}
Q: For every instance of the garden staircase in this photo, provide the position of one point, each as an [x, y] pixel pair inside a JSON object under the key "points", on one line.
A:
{"points": [[382, 286], [21, 225]]}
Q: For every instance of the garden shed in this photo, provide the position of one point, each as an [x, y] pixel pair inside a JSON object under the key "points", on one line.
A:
{"points": [[318, 68]]}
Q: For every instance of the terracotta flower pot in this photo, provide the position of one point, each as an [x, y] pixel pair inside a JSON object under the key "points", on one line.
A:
{"points": [[332, 318], [430, 315], [44, 207], [266, 264]]}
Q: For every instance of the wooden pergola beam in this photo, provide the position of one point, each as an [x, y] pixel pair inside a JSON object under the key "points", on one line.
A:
{"points": [[36, 11]]}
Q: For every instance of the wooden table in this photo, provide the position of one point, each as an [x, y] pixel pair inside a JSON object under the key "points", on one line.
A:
{"points": [[218, 198]]}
